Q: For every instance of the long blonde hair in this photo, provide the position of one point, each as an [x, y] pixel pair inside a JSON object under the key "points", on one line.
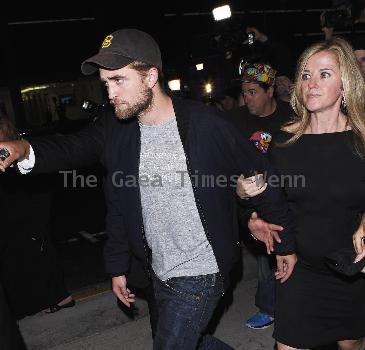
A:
{"points": [[353, 85]]}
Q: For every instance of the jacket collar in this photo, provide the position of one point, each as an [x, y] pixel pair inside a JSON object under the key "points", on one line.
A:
{"points": [[182, 114]]}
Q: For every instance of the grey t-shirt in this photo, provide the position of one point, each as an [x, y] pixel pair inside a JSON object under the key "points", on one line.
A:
{"points": [[174, 231]]}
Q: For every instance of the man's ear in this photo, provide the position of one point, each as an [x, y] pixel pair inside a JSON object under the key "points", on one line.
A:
{"points": [[270, 91], [152, 77]]}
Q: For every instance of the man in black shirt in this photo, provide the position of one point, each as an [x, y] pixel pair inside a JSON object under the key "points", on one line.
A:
{"points": [[261, 117], [263, 114]]}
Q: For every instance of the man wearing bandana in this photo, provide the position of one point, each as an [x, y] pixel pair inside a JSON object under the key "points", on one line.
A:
{"points": [[258, 120]]}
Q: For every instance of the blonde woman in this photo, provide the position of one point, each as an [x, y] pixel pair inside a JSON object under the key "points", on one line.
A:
{"points": [[326, 145]]}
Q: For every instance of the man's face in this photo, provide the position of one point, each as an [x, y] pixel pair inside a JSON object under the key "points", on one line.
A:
{"points": [[127, 91], [360, 55], [256, 98]]}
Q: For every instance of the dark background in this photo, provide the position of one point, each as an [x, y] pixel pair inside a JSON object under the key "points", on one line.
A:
{"points": [[50, 41]]}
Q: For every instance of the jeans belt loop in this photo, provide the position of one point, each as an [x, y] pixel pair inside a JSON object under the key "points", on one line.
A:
{"points": [[214, 281]]}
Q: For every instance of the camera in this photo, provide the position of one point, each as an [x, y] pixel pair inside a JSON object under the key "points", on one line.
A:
{"points": [[92, 107], [89, 106], [251, 38]]}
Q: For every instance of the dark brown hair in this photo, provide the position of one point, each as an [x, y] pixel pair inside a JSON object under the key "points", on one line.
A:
{"points": [[142, 68], [8, 131]]}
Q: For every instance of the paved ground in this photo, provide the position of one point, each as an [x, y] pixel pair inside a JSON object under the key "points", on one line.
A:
{"points": [[97, 323]]}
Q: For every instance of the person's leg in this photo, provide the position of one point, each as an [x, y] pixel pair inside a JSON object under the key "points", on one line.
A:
{"points": [[352, 344], [265, 294], [185, 306], [152, 308]]}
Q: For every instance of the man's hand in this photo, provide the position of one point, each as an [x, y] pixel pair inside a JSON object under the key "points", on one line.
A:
{"points": [[18, 151], [119, 287], [328, 31], [264, 231], [285, 266]]}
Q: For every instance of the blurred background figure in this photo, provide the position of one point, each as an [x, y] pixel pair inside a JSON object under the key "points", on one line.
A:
{"points": [[283, 88], [29, 270], [268, 49], [347, 14], [358, 44], [229, 101]]}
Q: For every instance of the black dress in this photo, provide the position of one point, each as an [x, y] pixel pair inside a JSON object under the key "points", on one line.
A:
{"points": [[317, 306]]}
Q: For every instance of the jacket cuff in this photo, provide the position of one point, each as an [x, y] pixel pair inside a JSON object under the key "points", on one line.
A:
{"points": [[284, 253], [111, 275]]}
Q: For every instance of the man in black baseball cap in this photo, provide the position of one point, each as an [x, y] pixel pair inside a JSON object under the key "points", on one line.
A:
{"points": [[129, 63], [122, 48], [159, 210]]}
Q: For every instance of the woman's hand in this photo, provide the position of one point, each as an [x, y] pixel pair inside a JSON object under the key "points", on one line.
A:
{"points": [[358, 239], [250, 186], [285, 266]]}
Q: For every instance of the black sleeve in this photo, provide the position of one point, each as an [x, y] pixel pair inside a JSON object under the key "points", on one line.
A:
{"points": [[245, 211], [116, 249], [62, 152], [271, 205]]}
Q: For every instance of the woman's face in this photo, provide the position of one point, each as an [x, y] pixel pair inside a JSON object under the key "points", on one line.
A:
{"points": [[321, 83]]}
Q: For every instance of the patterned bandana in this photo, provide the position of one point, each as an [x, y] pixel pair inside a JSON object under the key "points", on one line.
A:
{"points": [[257, 72]]}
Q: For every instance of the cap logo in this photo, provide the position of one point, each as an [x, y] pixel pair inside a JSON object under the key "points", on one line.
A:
{"points": [[107, 42]]}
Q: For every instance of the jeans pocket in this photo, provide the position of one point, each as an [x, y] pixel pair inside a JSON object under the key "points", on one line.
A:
{"points": [[194, 287]]}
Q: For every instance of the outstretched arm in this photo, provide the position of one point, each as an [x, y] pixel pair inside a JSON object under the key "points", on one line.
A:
{"points": [[59, 152]]}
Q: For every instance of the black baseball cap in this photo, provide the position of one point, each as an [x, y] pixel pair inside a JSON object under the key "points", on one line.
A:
{"points": [[121, 48]]}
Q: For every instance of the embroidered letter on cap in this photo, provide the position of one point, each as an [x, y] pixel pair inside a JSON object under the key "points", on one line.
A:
{"points": [[107, 41]]}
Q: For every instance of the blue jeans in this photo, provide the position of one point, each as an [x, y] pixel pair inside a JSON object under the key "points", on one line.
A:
{"points": [[185, 306], [266, 288]]}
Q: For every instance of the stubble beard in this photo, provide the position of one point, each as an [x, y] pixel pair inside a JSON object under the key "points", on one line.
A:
{"points": [[127, 110]]}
